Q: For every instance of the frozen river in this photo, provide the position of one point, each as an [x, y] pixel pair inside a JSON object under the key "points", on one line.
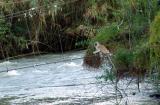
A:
{"points": [[63, 83]]}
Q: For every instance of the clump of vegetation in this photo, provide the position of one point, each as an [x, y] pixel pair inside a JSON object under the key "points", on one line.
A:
{"points": [[10, 43], [154, 44], [127, 37], [40, 26], [104, 35], [154, 41], [4, 31]]}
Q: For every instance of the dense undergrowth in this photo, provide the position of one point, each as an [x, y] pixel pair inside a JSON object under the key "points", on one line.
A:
{"points": [[132, 35], [43, 26]]}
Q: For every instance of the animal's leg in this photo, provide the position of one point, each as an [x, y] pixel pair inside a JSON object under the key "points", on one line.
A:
{"points": [[97, 51]]}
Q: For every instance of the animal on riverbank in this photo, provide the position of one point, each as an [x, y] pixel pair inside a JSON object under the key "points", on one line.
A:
{"points": [[104, 53], [94, 59], [101, 49]]}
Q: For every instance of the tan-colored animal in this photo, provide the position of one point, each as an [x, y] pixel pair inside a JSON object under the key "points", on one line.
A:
{"points": [[100, 49]]}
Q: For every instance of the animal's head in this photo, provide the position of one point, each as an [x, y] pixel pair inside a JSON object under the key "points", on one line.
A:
{"points": [[96, 43]]}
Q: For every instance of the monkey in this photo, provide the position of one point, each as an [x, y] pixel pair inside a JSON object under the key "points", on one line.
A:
{"points": [[101, 49]]}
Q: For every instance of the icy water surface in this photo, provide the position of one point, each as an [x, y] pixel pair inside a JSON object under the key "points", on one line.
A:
{"points": [[63, 83]]}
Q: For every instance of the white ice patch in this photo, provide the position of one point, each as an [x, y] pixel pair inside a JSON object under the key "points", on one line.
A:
{"points": [[103, 103], [39, 71], [7, 63], [70, 64], [12, 73]]}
